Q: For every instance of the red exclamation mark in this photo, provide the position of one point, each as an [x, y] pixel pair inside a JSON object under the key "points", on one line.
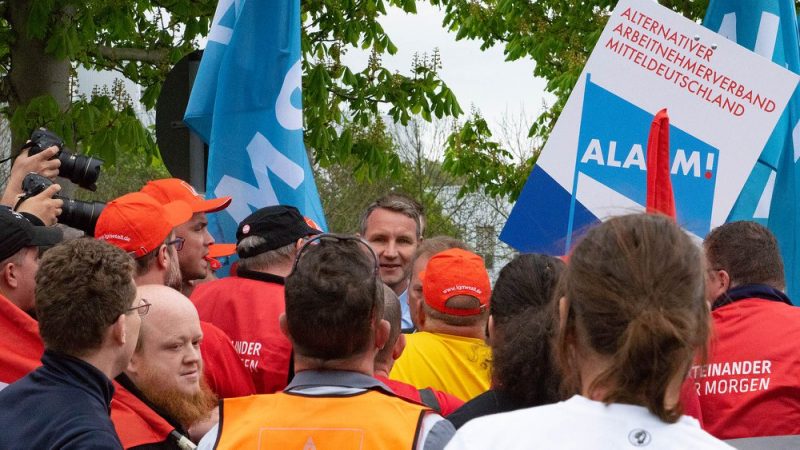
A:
{"points": [[709, 165]]}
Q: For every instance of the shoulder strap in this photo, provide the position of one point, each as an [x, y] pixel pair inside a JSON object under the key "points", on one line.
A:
{"points": [[429, 399]]}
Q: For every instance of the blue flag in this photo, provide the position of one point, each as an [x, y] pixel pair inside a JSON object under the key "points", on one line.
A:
{"points": [[770, 196], [246, 104]]}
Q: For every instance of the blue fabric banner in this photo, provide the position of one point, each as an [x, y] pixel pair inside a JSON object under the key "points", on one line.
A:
{"points": [[246, 104], [770, 195]]}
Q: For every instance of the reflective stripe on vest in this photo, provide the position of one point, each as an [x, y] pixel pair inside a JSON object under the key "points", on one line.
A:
{"points": [[370, 420]]}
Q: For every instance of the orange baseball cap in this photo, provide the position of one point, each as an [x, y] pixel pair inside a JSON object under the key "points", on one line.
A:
{"points": [[138, 224], [455, 272], [168, 190], [221, 250]]}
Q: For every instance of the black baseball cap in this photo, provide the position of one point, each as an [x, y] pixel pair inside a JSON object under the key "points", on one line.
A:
{"points": [[280, 225], [17, 233]]}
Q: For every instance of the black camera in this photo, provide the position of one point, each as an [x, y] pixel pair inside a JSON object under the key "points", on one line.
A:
{"points": [[75, 213], [81, 170]]}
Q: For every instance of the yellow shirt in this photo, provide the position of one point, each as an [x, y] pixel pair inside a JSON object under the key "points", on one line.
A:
{"points": [[453, 364]]}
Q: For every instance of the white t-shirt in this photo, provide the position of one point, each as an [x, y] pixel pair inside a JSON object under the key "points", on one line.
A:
{"points": [[580, 423]]}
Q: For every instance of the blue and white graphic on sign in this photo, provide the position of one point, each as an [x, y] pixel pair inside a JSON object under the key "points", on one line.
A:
{"points": [[612, 150], [246, 101], [611, 171]]}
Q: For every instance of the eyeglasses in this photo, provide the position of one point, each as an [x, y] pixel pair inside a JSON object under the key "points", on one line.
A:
{"points": [[177, 242], [333, 238], [142, 309]]}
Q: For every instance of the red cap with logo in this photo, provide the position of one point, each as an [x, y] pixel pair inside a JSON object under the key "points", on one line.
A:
{"points": [[455, 272], [138, 224], [170, 189]]}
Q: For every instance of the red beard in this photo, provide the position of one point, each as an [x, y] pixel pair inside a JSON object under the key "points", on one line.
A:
{"points": [[186, 409]]}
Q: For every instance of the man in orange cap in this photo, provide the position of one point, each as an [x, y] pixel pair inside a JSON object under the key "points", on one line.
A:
{"points": [[143, 227], [448, 353], [441, 402], [193, 259]]}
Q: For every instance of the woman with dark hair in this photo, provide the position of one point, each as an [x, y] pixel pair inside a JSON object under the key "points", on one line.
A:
{"points": [[520, 329], [632, 316]]}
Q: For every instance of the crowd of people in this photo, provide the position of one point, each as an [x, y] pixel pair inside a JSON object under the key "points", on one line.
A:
{"points": [[383, 339]]}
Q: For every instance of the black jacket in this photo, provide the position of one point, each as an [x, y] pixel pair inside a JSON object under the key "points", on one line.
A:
{"points": [[64, 404]]}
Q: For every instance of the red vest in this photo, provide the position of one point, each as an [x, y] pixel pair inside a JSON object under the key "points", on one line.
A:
{"points": [[690, 401], [247, 311], [135, 422], [223, 369], [20, 344], [750, 385]]}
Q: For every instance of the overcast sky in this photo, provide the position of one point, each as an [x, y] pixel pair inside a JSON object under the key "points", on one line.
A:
{"points": [[481, 78]]}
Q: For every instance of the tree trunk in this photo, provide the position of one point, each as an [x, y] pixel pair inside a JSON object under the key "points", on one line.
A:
{"points": [[33, 71]]}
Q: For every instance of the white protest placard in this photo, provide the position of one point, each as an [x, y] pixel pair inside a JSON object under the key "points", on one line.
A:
{"points": [[723, 102]]}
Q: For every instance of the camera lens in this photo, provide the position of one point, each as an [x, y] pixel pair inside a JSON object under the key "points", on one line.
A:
{"points": [[81, 170], [79, 214]]}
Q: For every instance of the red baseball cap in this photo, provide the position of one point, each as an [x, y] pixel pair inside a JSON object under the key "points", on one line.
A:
{"points": [[138, 224], [170, 189], [455, 272]]}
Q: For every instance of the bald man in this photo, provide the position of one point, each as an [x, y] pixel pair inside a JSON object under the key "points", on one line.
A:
{"points": [[166, 369]]}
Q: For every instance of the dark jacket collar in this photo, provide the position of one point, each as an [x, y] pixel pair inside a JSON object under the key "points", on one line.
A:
{"points": [[79, 373], [259, 276], [747, 291]]}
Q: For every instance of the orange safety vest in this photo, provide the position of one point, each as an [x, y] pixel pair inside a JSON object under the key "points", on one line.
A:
{"points": [[370, 420]]}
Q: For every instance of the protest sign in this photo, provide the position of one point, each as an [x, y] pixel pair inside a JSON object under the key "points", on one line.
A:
{"points": [[723, 103]]}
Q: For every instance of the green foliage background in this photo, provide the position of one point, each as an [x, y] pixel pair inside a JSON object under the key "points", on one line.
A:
{"points": [[142, 39]]}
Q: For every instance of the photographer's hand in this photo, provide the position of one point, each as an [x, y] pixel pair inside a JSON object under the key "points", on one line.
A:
{"points": [[43, 205], [42, 163]]}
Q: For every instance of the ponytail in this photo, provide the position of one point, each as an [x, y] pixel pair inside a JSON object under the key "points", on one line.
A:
{"points": [[635, 291], [651, 352]]}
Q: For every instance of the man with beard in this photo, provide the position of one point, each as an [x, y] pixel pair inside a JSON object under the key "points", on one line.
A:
{"points": [[165, 370], [143, 227], [393, 226]]}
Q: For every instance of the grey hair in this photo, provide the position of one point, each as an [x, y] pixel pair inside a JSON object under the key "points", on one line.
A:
{"points": [[264, 260], [398, 203]]}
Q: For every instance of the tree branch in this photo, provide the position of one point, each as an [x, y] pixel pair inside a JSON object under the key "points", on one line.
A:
{"points": [[155, 56]]}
